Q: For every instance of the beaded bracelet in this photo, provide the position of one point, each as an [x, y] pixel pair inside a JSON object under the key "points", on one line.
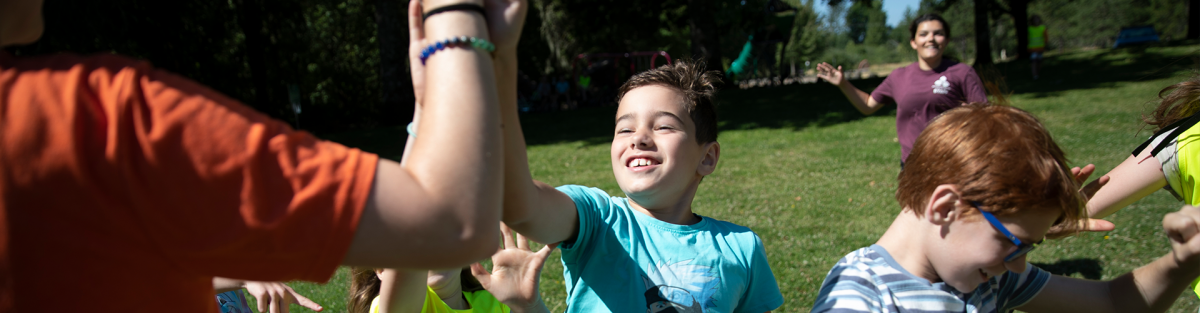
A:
{"points": [[477, 43]]}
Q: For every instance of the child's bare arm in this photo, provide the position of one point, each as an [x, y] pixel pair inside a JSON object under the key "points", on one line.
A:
{"points": [[1150, 288], [401, 291], [1136, 177], [532, 208], [448, 194]]}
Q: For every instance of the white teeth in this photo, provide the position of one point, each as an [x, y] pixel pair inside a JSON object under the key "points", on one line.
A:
{"points": [[639, 162]]}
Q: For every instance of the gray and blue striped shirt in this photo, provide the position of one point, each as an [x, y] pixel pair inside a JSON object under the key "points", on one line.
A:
{"points": [[869, 280]]}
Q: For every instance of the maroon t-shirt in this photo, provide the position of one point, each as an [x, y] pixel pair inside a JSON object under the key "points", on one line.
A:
{"points": [[922, 95]]}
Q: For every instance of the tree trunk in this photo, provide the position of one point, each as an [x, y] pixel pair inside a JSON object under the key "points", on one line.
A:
{"points": [[251, 21], [705, 43], [1020, 15], [395, 84], [1193, 28], [983, 44]]}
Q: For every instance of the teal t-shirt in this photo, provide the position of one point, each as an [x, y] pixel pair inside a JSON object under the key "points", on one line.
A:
{"points": [[625, 261]]}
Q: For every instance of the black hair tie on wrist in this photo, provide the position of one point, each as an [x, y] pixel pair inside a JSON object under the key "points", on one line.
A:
{"points": [[456, 7]]}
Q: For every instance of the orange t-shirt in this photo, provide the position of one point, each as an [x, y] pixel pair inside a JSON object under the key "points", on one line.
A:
{"points": [[123, 187]]}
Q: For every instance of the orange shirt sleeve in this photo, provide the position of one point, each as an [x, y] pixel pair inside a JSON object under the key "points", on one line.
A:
{"points": [[217, 188], [228, 190]]}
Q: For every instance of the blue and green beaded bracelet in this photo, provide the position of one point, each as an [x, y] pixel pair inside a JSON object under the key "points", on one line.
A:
{"points": [[477, 43]]}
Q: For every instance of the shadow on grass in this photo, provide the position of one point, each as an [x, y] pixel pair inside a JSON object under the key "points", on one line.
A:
{"points": [[1088, 268], [794, 106], [1100, 68], [820, 104]]}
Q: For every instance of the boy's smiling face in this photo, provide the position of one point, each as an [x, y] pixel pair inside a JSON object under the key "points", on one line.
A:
{"points": [[655, 157], [970, 251]]}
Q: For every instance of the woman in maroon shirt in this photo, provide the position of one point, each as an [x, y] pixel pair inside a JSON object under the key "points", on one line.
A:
{"points": [[922, 90]]}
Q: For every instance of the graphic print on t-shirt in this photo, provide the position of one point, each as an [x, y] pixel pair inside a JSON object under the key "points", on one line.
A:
{"points": [[941, 86], [679, 287]]}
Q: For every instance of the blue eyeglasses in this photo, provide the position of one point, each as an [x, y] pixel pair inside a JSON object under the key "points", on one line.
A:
{"points": [[1022, 247]]}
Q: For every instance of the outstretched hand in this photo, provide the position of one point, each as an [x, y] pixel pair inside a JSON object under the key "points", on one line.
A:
{"points": [[1183, 229], [831, 74], [515, 273], [1089, 190], [274, 297]]}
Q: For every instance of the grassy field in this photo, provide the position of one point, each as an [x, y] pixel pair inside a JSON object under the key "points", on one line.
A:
{"points": [[815, 179]]}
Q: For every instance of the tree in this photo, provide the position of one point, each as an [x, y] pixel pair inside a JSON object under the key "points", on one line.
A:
{"points": [[1019, 10], [806, 40], [706, 43], [395, 84], [1193, 28], [983, 44]]}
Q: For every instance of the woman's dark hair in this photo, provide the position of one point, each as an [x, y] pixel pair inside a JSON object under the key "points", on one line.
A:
{"points": [[912, 27], [1035, 20], [1178, 101]]}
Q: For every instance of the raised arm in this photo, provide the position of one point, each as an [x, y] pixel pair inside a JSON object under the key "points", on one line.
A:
{"points": [[444, 204], [532, 208], [861, 100], [1134, 179], [401, 291], [1150, 288]]}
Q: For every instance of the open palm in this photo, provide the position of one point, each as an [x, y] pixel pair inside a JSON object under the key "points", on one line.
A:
{"points": [[515, 272]]}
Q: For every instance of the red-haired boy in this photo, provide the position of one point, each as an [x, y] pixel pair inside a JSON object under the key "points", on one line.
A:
{"points": [[983, 186]]}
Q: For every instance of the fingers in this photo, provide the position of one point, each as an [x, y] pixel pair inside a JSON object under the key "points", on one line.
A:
{"points": [[1082, 174], [508, 238], [544, 253], [278, 306], [1099, 225], [522, 242], [481, 274], [1090, 189], [416, 26], [260, 293], [304, 301], [1183, 225]]}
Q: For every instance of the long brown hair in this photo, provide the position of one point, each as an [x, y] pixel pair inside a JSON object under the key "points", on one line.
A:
{"points": [[364, 287], [1178, 101]]}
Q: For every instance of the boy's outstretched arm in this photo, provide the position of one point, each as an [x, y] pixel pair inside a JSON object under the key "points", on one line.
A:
{"points": [[444, 203], [1135, 178], [1150, 288], [532, 208]]}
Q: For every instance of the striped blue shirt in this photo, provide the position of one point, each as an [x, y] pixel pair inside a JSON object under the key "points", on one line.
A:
{"points": [[869, 280]]}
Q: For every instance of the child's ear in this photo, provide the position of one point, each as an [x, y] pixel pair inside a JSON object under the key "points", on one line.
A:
{"points": [[942, 207], [712, 152]]}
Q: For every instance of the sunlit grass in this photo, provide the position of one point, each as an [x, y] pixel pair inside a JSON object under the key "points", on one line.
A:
{"points": [[816, 180]]}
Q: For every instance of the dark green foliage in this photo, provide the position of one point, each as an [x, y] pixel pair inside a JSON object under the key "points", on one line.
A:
{"points": [[806, 40], [328, 48]]}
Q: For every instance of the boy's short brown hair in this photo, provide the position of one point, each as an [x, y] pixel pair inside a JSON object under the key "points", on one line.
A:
{"points": [[696, 86], [999, 156]]}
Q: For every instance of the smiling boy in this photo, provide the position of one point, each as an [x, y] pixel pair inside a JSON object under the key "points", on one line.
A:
{"points": [[982, 187], [664, 143]]}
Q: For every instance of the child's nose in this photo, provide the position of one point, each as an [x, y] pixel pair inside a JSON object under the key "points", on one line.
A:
{"points": [[641, 140]]}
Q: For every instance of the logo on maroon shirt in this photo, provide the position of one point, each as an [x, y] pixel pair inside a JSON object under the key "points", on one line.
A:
{"points": [[941, 86]]}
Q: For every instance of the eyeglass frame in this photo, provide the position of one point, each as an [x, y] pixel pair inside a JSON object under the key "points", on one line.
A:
{"points": [[1022, 247]]}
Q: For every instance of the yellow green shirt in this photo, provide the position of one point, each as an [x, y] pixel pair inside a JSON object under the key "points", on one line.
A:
{"points": [[1037, 38], [480, 301]]}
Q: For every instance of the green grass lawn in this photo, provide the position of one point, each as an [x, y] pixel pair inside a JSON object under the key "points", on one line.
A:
{"points": [[815, 179]]}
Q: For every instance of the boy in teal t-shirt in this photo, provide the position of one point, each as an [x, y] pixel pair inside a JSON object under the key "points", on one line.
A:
{"points": [[646, 252]]}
